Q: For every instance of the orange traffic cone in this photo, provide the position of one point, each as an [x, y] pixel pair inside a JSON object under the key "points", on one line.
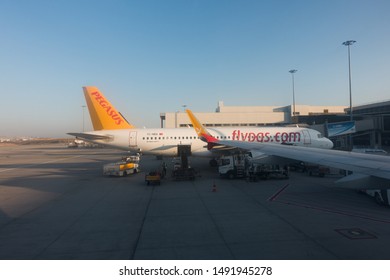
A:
{"points": [[214, 188]]}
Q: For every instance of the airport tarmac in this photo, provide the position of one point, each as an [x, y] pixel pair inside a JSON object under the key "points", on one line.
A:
{"points": [[55, 204]]}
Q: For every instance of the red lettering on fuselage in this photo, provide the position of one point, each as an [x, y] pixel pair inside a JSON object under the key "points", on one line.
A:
{"points": [[109, 110], [264, 137]]}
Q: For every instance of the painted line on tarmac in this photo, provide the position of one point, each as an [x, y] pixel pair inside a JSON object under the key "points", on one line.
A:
{"points": [[278, 193]]}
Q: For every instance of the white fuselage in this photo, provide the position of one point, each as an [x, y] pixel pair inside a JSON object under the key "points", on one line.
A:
{"points": [[164, 141]]}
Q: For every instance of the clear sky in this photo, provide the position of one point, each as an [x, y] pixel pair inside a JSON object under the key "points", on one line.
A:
{"points": [[152, 56]]}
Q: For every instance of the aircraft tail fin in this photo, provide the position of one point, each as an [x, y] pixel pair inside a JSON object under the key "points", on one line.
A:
{"points": [[202, 132], [103, 115]]}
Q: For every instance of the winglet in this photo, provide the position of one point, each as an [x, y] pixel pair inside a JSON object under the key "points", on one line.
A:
{"points": [[202, 132], [103, 114]]}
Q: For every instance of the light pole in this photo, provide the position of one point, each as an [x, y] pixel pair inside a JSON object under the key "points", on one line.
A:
{"points": [[292, 71], [348, 44]]}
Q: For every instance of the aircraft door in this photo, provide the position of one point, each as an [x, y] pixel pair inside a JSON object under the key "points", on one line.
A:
{"points": [[133, 139], [306, 137]]}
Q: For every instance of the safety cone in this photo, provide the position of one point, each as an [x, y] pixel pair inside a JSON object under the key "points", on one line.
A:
{"points": [[214, 188]]}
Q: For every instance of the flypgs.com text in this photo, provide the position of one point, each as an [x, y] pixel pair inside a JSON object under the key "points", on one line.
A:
{"points": [[279, 137]]}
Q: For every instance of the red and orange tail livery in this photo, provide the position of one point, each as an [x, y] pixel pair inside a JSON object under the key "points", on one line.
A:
{"points": [[202, 132], [103, 114]]}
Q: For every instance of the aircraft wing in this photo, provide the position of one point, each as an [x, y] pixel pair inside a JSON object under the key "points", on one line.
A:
{"points": [[90, 137], [373, 165], [374, 168]]}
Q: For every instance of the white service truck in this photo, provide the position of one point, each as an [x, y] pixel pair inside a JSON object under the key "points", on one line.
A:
{"points": [[232, 166], [128, 165]]}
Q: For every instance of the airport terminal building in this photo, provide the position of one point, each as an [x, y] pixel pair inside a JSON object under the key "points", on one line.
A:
{"points": [[372, 120], [248, 115]]}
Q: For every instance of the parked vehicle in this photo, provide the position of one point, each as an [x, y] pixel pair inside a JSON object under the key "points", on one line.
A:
{"points": [[153, 178], [128, 165]]}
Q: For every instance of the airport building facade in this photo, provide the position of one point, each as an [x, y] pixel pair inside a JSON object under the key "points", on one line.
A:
{"points": [[372, 120], [248, 115]]}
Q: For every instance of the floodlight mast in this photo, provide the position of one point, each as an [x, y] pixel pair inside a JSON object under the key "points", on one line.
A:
{"points": [[292, 71], [348, 44]]}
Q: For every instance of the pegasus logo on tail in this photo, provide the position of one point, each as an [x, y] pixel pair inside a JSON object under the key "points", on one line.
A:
{"points": [[103, 114], [106, 106]]}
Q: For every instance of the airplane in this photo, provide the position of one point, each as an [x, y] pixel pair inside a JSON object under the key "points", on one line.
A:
{"points": [[369, 171], [113, 130]]}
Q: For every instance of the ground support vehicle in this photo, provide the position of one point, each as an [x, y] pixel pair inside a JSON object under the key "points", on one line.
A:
{"points": [[242, 166], [153, 178], [232, 166], [184, 174], [131, 158], [128, 165], [181, 167], [120, 168], [266, 171]]}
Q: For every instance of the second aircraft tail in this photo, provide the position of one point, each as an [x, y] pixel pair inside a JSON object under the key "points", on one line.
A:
{"points": [[202, 132], [103, 114]]}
